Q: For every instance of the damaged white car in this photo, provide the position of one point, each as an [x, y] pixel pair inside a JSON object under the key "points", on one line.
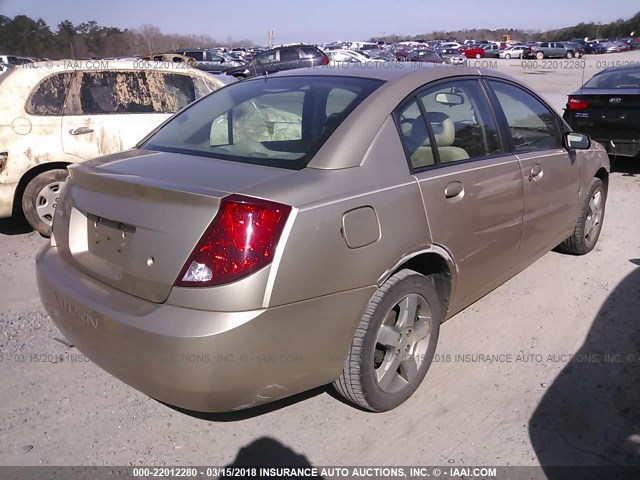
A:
{"points": [[53, 114]]}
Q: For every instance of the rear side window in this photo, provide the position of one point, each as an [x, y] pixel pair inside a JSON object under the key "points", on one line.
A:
{"points": [[199, 56], [104, 92], [289, 55], [179, 90], [532, 125], [623, 78], [277, 121], [459, 122], [310, 52], [48, 96]]}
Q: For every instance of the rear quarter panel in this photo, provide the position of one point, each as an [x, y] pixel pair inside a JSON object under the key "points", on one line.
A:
{"points": [[317, 260]]}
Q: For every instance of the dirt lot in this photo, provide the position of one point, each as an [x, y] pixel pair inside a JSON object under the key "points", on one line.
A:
{"points": [[562, 385]]}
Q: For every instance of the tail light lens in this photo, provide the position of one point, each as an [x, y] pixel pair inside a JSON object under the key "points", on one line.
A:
{"points": [[578, 103], [240, 241], [325, 60]]}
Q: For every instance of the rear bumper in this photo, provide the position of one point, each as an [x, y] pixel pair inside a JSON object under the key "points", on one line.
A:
{"points": [[201, 360]]}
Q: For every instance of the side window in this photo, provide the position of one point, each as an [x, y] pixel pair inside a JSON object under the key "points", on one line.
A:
{"points": [[310, 52], [48, 96], [198, 56], [415, 136], [179, 91], [532, 125], [461, 121], [112, 93], [266, 57], [289, 55]]}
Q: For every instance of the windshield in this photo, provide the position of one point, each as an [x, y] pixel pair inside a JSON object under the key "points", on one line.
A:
{"points": [[276, 121], [622, 78]]}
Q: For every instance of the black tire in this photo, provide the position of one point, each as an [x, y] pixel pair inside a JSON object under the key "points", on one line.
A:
{"points": [[540, 56], [569, 55], [359, 382], [40, 198], [585, 237]]}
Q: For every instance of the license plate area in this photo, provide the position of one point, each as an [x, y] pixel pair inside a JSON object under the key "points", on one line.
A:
{"points": [[108, 239]]}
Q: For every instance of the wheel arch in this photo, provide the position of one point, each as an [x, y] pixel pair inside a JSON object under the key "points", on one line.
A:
{"points": [[30, 175], [603, 175], [435, 263]]}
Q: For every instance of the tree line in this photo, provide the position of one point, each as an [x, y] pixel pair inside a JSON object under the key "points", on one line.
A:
{"points": [[618, 29], [23, 36]]}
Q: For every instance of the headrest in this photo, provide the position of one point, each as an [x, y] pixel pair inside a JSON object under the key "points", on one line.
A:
{"points": [[443, 128]]}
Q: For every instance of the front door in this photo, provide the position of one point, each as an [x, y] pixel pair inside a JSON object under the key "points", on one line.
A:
{"points": [[550, 173]]}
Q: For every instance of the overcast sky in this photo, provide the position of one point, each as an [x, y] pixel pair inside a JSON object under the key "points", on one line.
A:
{"points": [[322, 20]]}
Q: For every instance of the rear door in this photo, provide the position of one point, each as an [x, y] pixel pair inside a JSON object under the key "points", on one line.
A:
{"points": [[111, 111], [551, 175], [471, 185]]}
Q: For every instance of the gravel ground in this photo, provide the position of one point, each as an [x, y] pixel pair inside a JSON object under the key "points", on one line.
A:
{"points": [[554, 394]]}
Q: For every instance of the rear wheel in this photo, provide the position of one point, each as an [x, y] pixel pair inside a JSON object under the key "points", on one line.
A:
{"points": [[478, 55], [40, 198], [589, 224], [394, 344]]}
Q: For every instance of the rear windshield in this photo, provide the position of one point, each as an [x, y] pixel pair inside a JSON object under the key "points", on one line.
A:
{"points": [[274, 121], [622, 78]]}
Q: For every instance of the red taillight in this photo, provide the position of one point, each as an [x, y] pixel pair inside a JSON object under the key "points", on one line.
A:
{"points": [[578, 104], [325, 60], [240, 241]]}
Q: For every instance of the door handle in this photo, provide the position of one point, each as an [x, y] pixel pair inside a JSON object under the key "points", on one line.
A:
{"points": [[80, 130], [454, 189], [536, 173]]}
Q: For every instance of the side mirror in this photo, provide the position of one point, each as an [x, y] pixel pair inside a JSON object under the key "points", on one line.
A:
{"points": [[577, 141]]}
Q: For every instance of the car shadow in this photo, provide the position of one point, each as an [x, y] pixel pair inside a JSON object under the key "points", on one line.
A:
{"points": [[267, 452], [590, 414], [628, 167], [253, 411], [14, 226]]}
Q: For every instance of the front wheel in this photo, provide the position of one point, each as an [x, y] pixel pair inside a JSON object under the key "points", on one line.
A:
{"points": [[540, 55], [507, 56], [589, 224], [569, 55], [40, 198], [478, 55], [394, 343]]}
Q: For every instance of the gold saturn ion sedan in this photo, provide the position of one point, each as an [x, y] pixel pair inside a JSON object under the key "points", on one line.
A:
{"points": [[313, 227]]}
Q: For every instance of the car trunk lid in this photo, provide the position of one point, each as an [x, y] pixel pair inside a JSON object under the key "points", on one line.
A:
{"points": [[131, 220]]}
